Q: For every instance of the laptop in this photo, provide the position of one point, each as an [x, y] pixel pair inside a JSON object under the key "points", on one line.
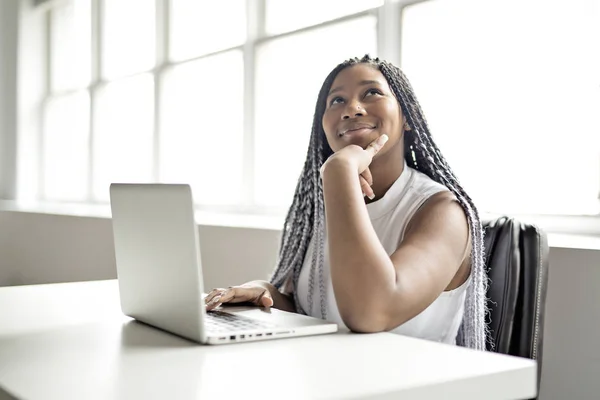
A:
{"points": [[160, 274]]}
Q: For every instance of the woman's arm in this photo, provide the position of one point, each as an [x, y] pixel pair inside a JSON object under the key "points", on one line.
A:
{"points": [[374, 291]]}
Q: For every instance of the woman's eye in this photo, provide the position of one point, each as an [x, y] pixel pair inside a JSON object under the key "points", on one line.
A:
{"points": [[372, 91], [336, 100]]}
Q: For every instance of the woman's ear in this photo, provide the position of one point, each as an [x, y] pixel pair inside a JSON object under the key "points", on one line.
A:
{"points": [[408, 137]]}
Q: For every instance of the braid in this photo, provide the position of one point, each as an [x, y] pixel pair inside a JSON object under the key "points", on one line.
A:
{"points": [[305, 219]]}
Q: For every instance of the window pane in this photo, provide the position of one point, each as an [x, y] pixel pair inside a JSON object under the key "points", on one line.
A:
{"points": [[286, 94], [65, 148], [286, 16], [515, 111], [129, 37], [70, 32], [123, 135], [197, 26], [201, 137]]}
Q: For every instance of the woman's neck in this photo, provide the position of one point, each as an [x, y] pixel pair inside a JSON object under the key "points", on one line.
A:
{"points": [[386, 170]]}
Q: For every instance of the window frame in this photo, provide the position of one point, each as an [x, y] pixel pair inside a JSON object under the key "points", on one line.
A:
{"points": [[388, 16], [389, 26]]}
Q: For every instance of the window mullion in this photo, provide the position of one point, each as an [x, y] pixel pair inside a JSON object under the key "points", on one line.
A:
{"points": [[255, 15], [598, 158], [41, 181], [389, 31], [96, 79], [162, 59], [97, 21]]}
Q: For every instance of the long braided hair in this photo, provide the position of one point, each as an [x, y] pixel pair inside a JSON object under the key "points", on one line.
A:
{"points": [[306, 216]]}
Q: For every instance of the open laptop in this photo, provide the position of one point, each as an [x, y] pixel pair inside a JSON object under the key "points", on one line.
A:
{"points": [[160, 274]]}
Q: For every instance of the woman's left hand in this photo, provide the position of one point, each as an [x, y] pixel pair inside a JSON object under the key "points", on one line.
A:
{"points": [[358, 159]]}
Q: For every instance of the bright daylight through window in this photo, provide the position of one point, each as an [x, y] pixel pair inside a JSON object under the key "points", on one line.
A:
{"points": [[164, 90]]}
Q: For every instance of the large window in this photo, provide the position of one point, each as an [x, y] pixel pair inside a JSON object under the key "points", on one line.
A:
{"points": [[290, 72], [511, 90], [220, 94]]}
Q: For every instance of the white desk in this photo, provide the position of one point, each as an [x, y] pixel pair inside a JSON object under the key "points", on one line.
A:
{"points": [[70, 341]]}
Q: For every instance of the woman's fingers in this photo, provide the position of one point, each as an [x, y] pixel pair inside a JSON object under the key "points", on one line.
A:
{"points": [[257, 295], [366, 181], [213, 299], [376, 145], [366, 188], [368, 177], [212, 294]]}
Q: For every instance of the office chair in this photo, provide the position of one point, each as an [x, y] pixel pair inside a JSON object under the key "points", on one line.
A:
{"points": [[516, 257]]}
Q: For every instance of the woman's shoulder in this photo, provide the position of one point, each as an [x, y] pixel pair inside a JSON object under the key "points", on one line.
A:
{"points": [[423, 184], [426, 198]]}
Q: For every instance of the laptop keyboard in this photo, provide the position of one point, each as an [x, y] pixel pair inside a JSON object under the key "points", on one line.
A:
{"points": [[217, 321]]}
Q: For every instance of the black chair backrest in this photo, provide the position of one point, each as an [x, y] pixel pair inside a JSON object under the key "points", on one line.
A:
{"points": [[516, 257]]}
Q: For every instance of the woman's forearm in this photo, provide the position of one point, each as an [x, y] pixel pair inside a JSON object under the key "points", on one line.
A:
{"points": [[362, 273]]}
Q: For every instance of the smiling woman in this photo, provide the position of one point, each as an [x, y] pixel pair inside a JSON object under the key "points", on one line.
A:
{"points": [[408, 259], [359, 110]]}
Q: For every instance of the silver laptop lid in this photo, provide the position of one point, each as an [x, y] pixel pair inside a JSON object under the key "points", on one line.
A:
{"points": [[158, 256]]}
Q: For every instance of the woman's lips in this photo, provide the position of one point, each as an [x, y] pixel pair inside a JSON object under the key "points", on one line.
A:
{"points": [[357, 131]]}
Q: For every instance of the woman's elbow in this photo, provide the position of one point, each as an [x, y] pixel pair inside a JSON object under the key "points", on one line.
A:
{"points": [[361, 322], [372, 321]]}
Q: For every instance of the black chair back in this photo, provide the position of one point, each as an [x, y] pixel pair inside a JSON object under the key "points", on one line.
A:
{"points": [[516, 257]]}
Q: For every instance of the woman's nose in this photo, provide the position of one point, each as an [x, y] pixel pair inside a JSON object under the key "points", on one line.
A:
{"points": [[353, 109]]}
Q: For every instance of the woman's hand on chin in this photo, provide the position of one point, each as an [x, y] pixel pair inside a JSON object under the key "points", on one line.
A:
{"points": [[357, 159]]}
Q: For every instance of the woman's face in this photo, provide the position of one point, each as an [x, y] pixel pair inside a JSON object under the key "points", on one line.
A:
{"points": [[360, 108]]}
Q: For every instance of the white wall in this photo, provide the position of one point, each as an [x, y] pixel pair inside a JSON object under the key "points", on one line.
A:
{"points": [[571, 365], [44, 248], [40, 248], [9, 12]]}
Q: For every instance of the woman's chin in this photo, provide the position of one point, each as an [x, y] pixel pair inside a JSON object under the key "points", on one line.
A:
{"points": [[360, 138]]}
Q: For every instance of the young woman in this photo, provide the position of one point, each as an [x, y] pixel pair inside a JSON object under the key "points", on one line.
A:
{"points": [[380, 235]]}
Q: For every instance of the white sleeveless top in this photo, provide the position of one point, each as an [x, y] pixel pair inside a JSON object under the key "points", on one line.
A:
{"points": [[390, 215]]}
